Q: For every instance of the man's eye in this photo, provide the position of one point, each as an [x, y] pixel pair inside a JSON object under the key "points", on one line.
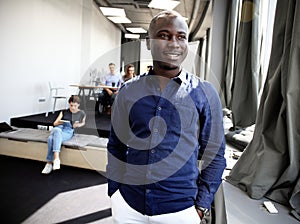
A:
{"points": [[181, 37], [163, 36]]}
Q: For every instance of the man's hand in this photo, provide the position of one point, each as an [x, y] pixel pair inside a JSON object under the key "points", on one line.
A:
{"points": [[109, 91], [200, 213]]}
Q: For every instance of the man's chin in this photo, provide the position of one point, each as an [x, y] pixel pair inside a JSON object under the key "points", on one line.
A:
{"points": [[169, 66]]}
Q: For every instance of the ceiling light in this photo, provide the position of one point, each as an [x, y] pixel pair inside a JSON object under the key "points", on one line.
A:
{"points": [[136, 30], [118, 19], [132, 36], [108, 11], [163, 4]]}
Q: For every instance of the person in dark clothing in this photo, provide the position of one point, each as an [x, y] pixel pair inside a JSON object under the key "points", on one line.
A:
{"points": [[162, 123]]}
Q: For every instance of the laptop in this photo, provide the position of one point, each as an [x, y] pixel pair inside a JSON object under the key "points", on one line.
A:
{"points": [[4, 127]]}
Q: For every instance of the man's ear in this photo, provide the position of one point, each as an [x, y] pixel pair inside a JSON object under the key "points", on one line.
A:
{"points": [[148, 42]]}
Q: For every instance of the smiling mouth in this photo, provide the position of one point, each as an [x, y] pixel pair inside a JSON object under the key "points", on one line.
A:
{"points": [[172, 55]]}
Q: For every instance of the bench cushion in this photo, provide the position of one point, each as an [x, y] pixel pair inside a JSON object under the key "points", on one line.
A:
{"points": [[35, 135]]}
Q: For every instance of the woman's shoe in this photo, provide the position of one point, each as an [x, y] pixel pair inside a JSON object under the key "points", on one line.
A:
{"points": [[47, 169], [56, 164]]}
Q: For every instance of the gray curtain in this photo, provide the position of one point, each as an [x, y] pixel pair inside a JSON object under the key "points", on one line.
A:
{"points": [[232, 29], [270, 165], [244, 87]]}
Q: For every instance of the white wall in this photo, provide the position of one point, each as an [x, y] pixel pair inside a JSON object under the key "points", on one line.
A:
{"points": [[146, 58], [105, 51], [48, 40]]}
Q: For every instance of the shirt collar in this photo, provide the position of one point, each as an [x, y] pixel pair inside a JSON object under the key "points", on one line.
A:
{"points": [[182, 77]]}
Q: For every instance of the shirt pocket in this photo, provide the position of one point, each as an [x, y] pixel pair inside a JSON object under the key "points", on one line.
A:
{"points": [[184, 116]]}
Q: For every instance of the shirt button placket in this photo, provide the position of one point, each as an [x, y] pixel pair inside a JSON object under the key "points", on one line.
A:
{"points": [[148, 201], [151, 156]]}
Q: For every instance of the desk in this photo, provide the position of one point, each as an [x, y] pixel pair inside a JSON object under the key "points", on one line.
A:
{"points": [[91, 87], [109, 87], [86, 96], [91, 92]]}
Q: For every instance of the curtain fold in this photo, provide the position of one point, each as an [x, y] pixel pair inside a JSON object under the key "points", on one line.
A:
{"points": [[270, 165], [233, 27], [244, 88], [249, 36]]}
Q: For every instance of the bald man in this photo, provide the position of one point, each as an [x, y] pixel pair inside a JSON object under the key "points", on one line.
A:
{"points": [[162, 123]]}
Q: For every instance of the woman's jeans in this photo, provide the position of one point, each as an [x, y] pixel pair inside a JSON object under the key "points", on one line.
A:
{"points": [[58, 135]]}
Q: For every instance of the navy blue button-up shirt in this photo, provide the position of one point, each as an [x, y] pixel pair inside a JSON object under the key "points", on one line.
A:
{"points": [[158, 136]]}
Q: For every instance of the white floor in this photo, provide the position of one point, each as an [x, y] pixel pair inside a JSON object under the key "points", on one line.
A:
{"points": [[72, 205], [241, 209]]}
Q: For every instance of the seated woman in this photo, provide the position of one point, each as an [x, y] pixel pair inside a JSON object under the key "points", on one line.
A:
{"points": [[129, 74], [64, 124]]}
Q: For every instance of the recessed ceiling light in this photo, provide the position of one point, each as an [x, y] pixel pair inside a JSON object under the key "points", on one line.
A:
{"points": [[132, 36], [117, 19], [136, 30], [163, 4], [108, 11]]}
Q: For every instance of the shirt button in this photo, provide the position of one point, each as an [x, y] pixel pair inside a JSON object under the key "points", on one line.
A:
{"points": [[159, 108], [152, 150], [148, 191]]}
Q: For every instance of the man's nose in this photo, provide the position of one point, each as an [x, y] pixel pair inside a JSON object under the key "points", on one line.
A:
{"points": [[173, 42]]}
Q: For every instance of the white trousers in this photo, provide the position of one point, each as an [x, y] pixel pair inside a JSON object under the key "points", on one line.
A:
{"points": [[122, 213]]}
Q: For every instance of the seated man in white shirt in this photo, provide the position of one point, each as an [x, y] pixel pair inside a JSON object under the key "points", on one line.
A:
{"points": [[107, 96]]}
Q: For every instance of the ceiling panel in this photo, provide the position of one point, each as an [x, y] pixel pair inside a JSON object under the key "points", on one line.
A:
{"points": [[198, 13]]}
